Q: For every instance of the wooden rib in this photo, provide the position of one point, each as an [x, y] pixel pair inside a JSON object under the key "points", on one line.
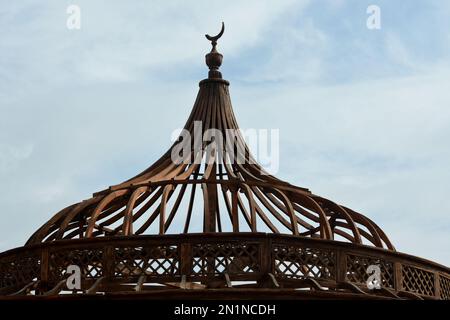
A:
{"points": [[218, 219], [271, 209], [72, 215], [148, 204], [244, 211], [303, 208], [206, 221], [191, 205], [77, 232], [141, 198], [234, 210], [242, 147], [120, 204], [107, 199], [266, 220], [379, 231], [344, 234], [288, 205], [127, 227], [149, 221], [113, 208], [227, 204], [279, 204], [211, 207], [113, 212], [226, 160], [175, 207], [162, 212], [211, 174], [308, 202], [39, 235], [252, 206], [339, 210]]}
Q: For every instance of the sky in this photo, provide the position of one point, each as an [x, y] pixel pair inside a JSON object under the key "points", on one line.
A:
{"points": [[363, 114]]}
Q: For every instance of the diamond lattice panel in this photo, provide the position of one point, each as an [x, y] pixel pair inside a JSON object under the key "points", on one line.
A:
{"points": [[299, 262], [89, 261], [418, 281], [232, 258], [357, 270], [444, 283], [19, 271], [152, 261]]}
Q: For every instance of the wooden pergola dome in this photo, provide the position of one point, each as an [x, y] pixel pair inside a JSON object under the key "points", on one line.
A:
{"points": [[233, 197], [254, 227]]}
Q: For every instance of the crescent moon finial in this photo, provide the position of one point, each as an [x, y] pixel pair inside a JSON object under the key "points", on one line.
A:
{"points": [[214, 39], [214, 58]]}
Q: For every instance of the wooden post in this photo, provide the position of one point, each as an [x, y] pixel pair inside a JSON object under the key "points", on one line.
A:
{"points": [[398, 277], [341, 266], [210, 207], [186, 259], [437, 285], [266, 262], [108, 262], [43, 285], [265, 256], [234, 208]]}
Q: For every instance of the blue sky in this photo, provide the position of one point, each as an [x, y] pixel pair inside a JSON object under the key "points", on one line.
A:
{"points": [[363, 114]]}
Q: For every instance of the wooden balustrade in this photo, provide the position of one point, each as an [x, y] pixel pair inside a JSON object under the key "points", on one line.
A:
{"points": [[200, 261]]}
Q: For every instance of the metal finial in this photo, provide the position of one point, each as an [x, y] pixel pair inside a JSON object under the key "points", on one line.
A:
{"points": [[217, 37], [214, 58]]}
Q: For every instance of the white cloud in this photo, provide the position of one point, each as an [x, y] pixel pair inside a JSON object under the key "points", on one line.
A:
{"points": [[398, 52], [10, 155], [118, 41], [296, 54]]}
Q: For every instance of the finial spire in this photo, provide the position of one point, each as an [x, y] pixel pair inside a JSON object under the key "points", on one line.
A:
{"points": [[214, 58]]}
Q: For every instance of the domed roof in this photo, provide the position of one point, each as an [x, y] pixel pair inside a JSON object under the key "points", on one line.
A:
{"points": [[209, 189]]}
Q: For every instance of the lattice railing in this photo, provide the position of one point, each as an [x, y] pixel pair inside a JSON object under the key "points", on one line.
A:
{"points": [[444, 283], [190, 258], [418, 281], [149, 260], [357, 270], [299, 262], [220, 258], [20, 270], [90, 262]]}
